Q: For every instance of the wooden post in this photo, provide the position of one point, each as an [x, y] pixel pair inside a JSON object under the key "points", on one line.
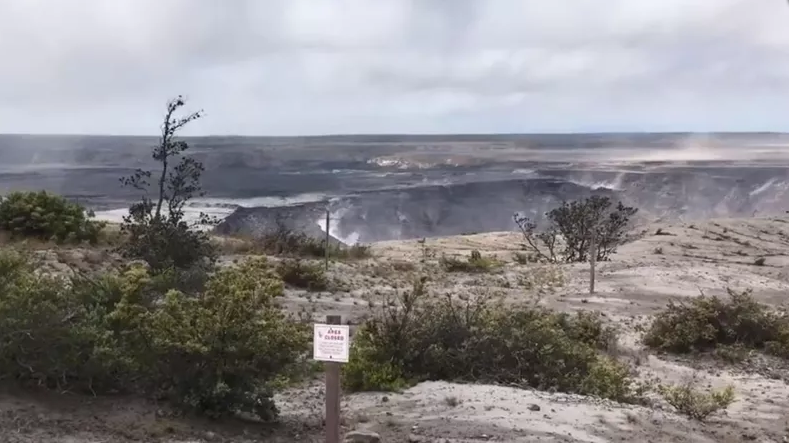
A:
{"points": [[326, 252], [332, 388], [592, 260]]}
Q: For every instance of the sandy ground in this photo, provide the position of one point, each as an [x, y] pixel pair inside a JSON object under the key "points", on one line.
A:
{"points": [[665, 261]]}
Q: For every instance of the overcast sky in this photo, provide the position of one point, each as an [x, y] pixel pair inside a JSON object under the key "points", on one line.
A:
{"points": [[261, 67]]}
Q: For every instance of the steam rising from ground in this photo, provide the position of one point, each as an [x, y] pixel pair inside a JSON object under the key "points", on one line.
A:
{"points": [[708, 148], [433, 185]]}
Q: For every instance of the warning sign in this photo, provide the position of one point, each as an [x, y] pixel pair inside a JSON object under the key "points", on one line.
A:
{"points": [[331, 343]]}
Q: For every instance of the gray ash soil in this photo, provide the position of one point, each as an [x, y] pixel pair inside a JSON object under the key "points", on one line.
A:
{"points": [[682, 261]]}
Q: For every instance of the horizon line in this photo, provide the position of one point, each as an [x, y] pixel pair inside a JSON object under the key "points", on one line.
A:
{"points": [[404, 134]]}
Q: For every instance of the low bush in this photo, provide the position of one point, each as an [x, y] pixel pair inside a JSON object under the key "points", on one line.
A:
{"points": [[692, 402], [216, 352], [522, 258], [166, 244], [190, 280], [287, 242], [733, 354], [475, 263], [705, 323], [47, 217], [416, 338], [303, 274], [47, 333]]}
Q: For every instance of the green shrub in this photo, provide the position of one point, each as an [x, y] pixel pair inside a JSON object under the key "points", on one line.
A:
{"points": [[284, 241], [216, 352], [366, 370], [190, 280], [59, 334], [288, 242], [47, 217], [302, 274], [736, 353], [417, 338], [587, 327], [475, 263], [569, 228], [166, 245], [689, 401], [707, 322]]}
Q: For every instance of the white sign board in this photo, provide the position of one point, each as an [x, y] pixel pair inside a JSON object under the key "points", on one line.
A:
{"points": [[331, 343]]}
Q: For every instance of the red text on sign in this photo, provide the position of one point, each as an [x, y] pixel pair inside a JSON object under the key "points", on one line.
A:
{"points": [[334, 337]]}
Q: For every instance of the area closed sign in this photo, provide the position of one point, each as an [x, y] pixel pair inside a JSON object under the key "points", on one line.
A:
{"points": [[331, 343]]}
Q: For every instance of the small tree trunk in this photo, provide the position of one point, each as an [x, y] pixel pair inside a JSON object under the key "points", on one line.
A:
{"points": [[166, 137], [592, 261], [161, 190]]}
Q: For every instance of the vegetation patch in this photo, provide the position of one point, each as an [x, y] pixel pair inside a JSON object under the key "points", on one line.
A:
{"points": [[215, 352], [570, 230], [170, 325], [303, 274], [47, 217], [695, 403], [475, 263], [707, 323], [416, 338], [284, 241]]}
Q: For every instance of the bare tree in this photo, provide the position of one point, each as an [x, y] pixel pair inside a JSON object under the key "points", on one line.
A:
{"points": [[541, 244]]}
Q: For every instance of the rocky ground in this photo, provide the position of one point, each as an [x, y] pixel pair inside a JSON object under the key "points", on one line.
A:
{"points": [[662, 262]]}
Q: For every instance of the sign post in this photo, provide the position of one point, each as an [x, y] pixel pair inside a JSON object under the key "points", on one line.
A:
{"points": [[331, 345], [326, 251], [592, 260]]}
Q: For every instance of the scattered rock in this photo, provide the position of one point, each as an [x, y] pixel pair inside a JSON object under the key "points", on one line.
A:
{"points": [[533, 407], [362, 436]]}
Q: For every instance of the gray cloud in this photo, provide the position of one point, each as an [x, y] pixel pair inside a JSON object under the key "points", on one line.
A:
{"points": [[329, 66]]}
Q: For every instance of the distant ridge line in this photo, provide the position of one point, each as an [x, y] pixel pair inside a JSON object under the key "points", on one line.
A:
{"points": [[423, 136]]}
